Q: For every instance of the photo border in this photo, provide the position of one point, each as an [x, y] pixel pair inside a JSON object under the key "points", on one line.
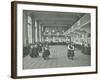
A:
{"points": [[14, 37]]}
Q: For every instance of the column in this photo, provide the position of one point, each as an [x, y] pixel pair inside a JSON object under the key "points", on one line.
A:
{"points": [[33, 29], [25, 32], [42, 36], [40, 32], [37, 31], [29, 26]]}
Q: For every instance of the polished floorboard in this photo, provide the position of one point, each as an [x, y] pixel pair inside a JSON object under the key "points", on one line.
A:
{"points": [[58, 58]]}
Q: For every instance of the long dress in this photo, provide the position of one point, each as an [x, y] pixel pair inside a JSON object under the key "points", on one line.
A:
{"points": [[70, 53], [40, 47], [46, 53], [34, 52]]}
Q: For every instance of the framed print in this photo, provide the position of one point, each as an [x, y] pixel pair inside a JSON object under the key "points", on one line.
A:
{"points": [[50, 39]]}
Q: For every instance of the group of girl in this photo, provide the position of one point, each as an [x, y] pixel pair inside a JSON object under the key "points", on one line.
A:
{"points": [[40, 49]]}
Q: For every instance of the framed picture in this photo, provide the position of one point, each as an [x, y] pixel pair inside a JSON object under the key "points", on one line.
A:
{"points": [[49, 39]]}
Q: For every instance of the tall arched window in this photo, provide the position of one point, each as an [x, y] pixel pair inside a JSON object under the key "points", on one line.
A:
{"points": [[29, 27]]}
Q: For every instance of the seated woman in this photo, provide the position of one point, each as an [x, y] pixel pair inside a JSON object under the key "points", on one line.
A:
{"points": [[70, 53], [46, 52]]}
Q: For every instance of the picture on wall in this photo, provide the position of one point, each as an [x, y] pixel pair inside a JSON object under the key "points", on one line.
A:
{"points": [[53, 39]]}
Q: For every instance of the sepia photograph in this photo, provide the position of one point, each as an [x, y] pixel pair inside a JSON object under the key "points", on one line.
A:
{"points": [[53, 39]]}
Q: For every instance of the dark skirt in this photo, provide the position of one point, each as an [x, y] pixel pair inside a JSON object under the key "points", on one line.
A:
{"points": [[40, 48], [46, 53], [70, 53], [34, 52]]}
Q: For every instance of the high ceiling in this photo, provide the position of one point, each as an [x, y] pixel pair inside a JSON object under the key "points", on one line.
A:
{"points": [[56, 19]]}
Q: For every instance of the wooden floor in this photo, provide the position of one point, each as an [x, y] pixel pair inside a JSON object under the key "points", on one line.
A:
{"points": [[58, 58]]}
